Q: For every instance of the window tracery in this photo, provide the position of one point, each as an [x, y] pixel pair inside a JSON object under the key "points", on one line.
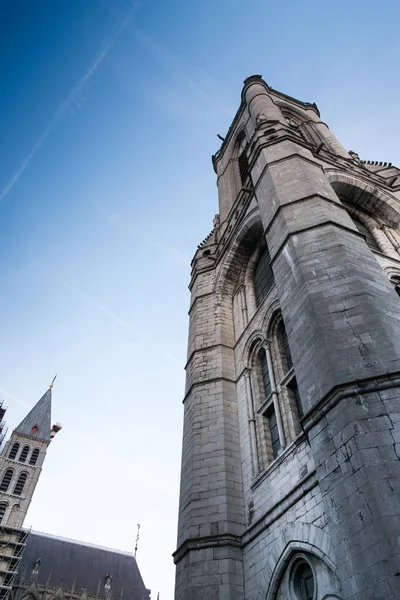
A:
{"points": [[277, 405], [263, 276]]}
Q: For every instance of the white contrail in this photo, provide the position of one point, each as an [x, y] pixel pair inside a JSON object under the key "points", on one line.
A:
{"points": [[120, 321], [71, 98]]}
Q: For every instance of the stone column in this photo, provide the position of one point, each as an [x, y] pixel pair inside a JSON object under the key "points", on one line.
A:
{"points": [[252, 423]]}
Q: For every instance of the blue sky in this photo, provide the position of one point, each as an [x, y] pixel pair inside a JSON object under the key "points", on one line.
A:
{"points": [[109, 114]]}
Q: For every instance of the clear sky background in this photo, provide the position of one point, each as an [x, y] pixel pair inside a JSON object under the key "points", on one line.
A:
{"points": [[109, 112]]}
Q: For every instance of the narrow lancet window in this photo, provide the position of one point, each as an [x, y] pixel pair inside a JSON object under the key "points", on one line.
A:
{"points": [[34, 457], [274, 431], [24, 454], [3, 508], [5, 483], [263, 276], [19, 486], [265, 374], [14, 451]]}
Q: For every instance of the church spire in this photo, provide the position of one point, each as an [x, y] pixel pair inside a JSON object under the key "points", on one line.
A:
{"points": [[38, 421]]}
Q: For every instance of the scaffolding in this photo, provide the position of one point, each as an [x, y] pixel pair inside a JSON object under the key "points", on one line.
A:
{"points": [[12, 545], [3, 424]]}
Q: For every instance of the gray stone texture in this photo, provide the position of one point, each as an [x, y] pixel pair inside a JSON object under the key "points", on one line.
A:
{"points": [[331, 496]]}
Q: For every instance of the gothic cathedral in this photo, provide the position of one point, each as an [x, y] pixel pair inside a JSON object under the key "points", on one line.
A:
{"points": [[290, 482]]}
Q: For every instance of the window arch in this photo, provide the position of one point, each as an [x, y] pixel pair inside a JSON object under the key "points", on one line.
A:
{"points": [[24, 454], [284, 357], [34, 456], [19, 486], [14, 450], [3, 508], [302, 125], [5, 482], [263, 276], [302, 580], [369, 238]]}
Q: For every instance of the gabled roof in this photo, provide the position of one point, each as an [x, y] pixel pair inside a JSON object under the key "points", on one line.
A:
{"points": [[69, 563], [38, 421]]}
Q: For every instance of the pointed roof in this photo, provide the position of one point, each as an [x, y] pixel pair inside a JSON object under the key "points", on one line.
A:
{"points": [[38, 421]]}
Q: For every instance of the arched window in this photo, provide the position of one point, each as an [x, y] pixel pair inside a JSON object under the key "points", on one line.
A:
{"points": [[244, 169], [285, 346], [24, 454], [34, 457], [369, 238], [303, 581], [263, 276], [14, 451], [269, 415], [287, 364], [19, 486], [3, 508], [265, 374], [5, 483]]}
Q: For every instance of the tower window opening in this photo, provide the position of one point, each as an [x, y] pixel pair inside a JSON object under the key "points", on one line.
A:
{"points": [[14, 451], [273, 428], [369, 238], [5, 484], [3, 508], [265, 374], [19, 486], [263, 276], [34, 456], [244, 168], [24, 454], [285, 346]]}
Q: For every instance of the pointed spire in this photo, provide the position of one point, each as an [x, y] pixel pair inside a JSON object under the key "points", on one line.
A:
{"points": [[38, 421]]}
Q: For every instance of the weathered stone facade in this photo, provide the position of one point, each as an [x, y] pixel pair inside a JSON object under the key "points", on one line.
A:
{"points": [[290, 464]]}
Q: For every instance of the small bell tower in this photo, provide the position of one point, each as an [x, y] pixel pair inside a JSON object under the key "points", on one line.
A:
{"points": [[21, 461]]}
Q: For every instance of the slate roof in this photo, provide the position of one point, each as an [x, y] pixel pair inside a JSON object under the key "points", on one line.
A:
{"points": [[64, 561], [40, 415]]}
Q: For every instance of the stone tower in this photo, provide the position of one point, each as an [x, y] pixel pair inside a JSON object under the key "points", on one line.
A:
{"points": [[290, 482], [21, 461]]}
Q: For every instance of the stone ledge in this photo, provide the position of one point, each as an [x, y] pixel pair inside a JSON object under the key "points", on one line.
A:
{"points": [[362, 386], [211, 541]]}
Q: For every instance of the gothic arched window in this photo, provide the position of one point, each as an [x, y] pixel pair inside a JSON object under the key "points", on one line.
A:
{"points": [[369, 238], [5, 483], [287, 364], [24, 454], [19, 486], [243, 162], [14, 451], [3, 508], [34, 457], [263, 276]]}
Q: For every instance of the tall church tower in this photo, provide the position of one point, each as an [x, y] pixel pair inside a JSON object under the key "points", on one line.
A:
{"points": [[21, 463], [290, 482]]}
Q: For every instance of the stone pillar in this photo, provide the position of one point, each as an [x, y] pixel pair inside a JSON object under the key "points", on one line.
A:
{"points": [[211, 517]]}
